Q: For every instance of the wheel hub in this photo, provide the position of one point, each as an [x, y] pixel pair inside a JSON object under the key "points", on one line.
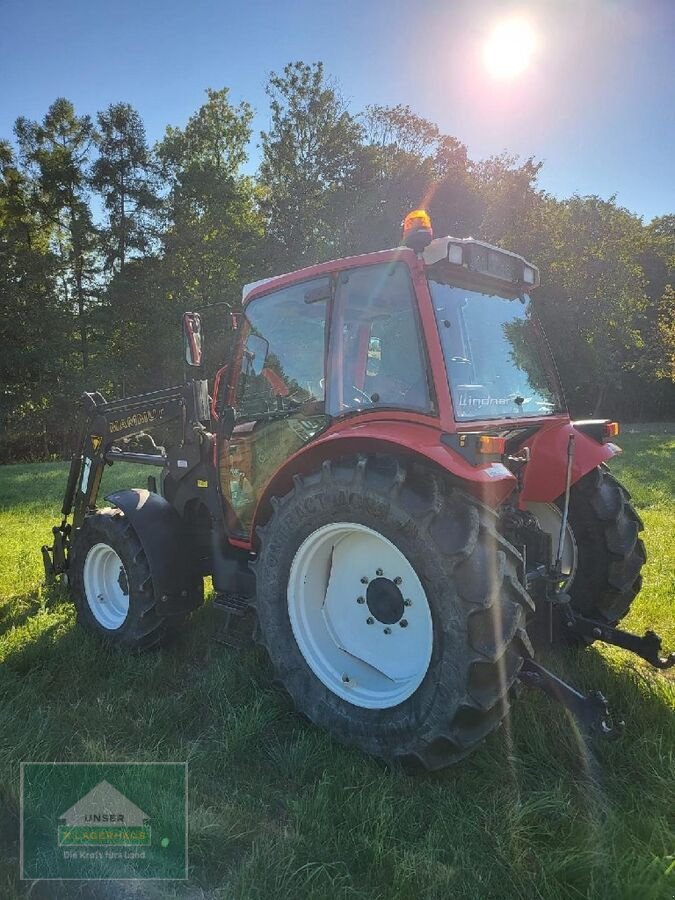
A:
{"points": [[385, 600], [106, 586], [350, 629]]}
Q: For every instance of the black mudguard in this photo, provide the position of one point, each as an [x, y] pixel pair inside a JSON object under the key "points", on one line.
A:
{"points": [[166, 544]]}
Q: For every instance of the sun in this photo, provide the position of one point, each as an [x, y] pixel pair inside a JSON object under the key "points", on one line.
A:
{"points": [[509, 49]]}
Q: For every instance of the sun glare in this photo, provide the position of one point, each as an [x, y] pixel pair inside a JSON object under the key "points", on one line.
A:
{"points": [[509, 48]]}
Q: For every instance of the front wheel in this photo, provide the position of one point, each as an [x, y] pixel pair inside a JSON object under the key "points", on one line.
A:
{"points": [[610, 552], [392, 610], [111, 584]]}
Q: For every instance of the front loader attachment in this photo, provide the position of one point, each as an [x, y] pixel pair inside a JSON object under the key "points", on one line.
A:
{"points": [[103, 424]]}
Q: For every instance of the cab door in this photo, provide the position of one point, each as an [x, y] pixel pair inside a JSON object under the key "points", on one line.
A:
{"points": [[279, 398]]}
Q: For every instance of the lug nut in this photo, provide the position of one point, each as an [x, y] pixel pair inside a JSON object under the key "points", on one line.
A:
{"points": [[398, 579], [407, 602], [360, 599], [387, 630], [403, 623], [345, 679], [364, 580], [379, 572], [370, 620]]}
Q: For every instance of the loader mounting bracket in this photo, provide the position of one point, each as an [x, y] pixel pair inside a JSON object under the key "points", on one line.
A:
{"points": [[592, 709], [648, 646]]}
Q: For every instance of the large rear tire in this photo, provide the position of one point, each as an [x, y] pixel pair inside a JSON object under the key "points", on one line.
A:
{"points": [[111, 584], [611, 554], [392, 610]]}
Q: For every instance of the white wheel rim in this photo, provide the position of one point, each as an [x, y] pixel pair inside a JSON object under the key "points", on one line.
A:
{"points": [[549, 517], [106, 586], [369, 642]]}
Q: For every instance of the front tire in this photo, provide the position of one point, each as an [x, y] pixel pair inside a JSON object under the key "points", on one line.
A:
{"points": [[426, 692], [611, 554], [111, 584]]}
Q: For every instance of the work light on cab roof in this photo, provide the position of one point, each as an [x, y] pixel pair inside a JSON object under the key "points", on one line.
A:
{"points": [[476, 258]]}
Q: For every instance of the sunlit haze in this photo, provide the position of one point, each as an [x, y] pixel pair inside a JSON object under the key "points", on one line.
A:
{"points": [[509, 49]]}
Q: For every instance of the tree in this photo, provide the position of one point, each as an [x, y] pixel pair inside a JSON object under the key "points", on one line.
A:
{"points": [[213, 229], [55, 153], [414, 165], [508, 192], [592, 299], [311, 161], [123, 175], [33, 328]]}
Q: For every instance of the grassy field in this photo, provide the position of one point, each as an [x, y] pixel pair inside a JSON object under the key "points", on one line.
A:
{"points": [[279, 811]]}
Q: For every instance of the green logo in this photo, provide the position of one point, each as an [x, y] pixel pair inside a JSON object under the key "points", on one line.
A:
{"points": [[103, 820]]}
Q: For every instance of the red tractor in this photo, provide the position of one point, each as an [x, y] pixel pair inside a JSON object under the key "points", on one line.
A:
{"points": [[387, 491]]}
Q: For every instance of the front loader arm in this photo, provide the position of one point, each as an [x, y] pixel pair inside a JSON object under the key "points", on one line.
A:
{"points": [[102, 424]]}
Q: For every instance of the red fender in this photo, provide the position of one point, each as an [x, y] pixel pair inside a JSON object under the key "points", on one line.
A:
{"points": [[491, 483], [544, 475]]}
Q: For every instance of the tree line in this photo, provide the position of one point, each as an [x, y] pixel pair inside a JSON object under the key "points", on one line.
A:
{"points": [[105, 240]]}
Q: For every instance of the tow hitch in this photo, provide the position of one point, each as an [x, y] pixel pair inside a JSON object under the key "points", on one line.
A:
{"points": [[648, 646], [592, 709]]}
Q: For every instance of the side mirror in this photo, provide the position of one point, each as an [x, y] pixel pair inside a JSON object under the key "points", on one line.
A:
{"points": [[255, 354], [192, 338]]}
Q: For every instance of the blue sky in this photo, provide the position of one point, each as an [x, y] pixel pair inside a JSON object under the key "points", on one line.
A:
{"points": [[597, 104]]}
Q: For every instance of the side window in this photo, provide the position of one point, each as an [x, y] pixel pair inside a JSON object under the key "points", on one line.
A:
{"points": [[283, 361], [280, 396], [377, 355]]}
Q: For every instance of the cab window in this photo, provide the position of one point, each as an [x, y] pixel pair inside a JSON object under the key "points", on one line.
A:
{"points": [[279, 402], [377, 357]]}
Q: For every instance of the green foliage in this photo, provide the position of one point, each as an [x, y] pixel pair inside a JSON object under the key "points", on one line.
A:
{"points": [[213, 228], [55, 153], [104, 241], [311, 159], [123, 175]]}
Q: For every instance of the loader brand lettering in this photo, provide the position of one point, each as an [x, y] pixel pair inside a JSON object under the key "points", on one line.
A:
{"points": [[139, 418]]}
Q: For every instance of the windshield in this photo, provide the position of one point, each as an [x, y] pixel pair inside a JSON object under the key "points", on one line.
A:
{"points": [[497, 362]]}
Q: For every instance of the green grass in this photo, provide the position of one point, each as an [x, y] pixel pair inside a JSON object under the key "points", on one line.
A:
{"points": [[277, 810]]}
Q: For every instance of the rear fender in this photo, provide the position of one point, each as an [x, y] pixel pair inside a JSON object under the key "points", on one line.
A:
{"points": [[491, 483], [544, 476], [166, 544]]}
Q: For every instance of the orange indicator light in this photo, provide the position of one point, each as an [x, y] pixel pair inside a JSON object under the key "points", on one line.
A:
{"points": [[610, 430], [416, 230], [488, 444]]}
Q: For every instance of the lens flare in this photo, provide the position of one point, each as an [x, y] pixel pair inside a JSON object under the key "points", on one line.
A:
{"points": [[509, 49]]}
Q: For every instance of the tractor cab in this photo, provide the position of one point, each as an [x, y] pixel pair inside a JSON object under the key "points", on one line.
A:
{"points": [[432, 347]]}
